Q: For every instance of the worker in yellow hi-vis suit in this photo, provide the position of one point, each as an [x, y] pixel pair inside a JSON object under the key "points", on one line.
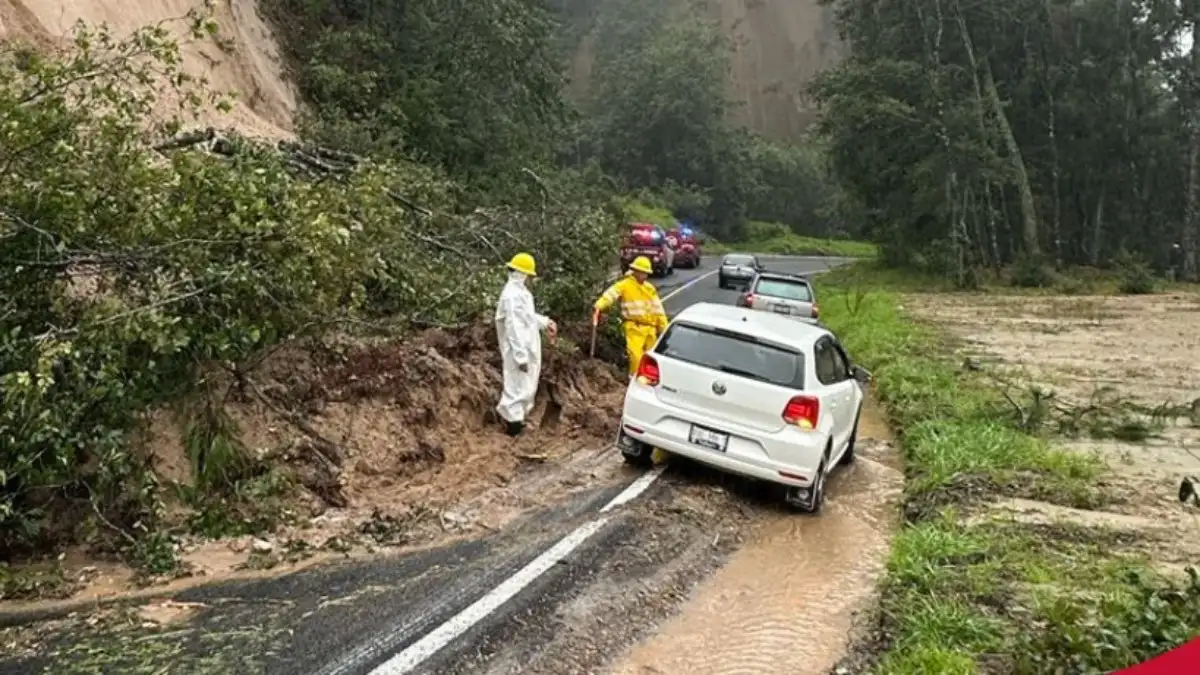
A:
{"points": [[641, 310]]}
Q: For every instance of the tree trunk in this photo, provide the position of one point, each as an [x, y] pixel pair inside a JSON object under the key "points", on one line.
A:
{"points": [[1029, 223], [985, 134], [1191, 220]]}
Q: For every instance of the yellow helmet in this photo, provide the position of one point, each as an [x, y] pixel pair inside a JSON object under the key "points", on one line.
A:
{"points": [[523, 263], [641, 264]]}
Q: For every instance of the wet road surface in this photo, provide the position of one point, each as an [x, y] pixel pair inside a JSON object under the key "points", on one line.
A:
{"points": [[700, 573]]}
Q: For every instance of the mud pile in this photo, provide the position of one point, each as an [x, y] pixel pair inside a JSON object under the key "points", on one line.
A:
{"points": [[390, 429], [413, 420]]}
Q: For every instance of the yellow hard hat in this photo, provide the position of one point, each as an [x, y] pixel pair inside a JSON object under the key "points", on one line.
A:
{"points": [[523, 263], [641, 264]]}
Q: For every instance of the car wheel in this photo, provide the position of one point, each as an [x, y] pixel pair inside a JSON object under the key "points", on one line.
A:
{"points": [[811, 499], [635, 452], [848, 455], [721, 282]]}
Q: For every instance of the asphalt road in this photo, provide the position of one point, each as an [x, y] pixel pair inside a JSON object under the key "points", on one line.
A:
{"points": [[559, 592]]}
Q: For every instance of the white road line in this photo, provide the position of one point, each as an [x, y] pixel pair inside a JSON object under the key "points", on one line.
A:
{"points": [[420, 651], [416, 653], [688, 285], [634, 489]]}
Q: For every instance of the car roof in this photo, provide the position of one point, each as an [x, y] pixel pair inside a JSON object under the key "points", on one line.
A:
{"points": [[785, 276], [738, 255], [777, 328]]}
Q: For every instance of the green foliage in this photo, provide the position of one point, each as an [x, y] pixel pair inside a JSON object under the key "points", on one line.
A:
{"points": [[1141, 620], [1031, 272], [964, 594], [640, 212], [778, 239], [472, 86], [984, 126], [1137, 278], [130, 275]]}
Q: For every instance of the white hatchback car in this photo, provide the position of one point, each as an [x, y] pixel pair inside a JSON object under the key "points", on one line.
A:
{"points": [[748, 392]]}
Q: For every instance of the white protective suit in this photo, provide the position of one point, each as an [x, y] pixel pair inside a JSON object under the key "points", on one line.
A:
{"points": [[518, 327]]}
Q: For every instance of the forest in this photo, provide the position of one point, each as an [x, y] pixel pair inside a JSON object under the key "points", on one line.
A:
{"points": [[1040, 134]]}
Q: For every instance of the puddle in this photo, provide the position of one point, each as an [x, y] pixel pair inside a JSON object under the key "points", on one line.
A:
{"points": [[785, 602]]}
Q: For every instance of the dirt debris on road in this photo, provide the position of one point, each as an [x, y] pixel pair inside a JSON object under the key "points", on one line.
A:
{"points": [[385, 444], [712, 574]]}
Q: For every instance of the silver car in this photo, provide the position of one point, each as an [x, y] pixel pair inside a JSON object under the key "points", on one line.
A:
{"points": [[738, 269], [782, 294]]}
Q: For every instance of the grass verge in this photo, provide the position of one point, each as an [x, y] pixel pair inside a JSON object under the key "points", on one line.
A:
{"points": [[794, 244], [965, 593]]}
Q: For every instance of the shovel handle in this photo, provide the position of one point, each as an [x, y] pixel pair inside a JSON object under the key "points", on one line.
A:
{"points": [[593, 352]]}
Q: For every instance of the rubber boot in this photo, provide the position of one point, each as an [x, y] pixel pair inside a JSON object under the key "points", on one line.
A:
{"points": [[514, 428]]}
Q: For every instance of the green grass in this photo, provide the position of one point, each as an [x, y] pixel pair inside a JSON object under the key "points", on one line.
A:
{"points": [[794, 244], [639, 212], [973, 594]]}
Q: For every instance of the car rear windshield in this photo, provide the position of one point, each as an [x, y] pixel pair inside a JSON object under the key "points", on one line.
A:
{"points": [[784, 288], [739, 260], [734, 353]]}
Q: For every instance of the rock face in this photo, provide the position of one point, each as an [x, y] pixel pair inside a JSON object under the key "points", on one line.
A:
{"points": [[779, 46], [265, 101]]}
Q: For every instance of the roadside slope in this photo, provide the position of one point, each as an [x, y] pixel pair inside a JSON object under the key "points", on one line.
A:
{"points": [[250, 66]]}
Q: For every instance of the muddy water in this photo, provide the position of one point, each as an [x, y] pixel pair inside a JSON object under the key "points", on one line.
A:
{"points": [[785, 602]]}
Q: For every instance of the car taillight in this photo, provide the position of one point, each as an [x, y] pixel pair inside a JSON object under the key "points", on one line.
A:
{"points": [[802, 411], [647, 372], [746, 300], [816, 311]]}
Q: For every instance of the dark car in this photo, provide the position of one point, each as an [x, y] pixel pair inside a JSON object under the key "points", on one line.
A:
{"points": [[782, 293], [738, 269]]}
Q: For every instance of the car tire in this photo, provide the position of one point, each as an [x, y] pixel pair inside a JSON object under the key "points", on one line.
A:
{"points": [[814, 504], [635, 452], [848, 455], [721, 282]]}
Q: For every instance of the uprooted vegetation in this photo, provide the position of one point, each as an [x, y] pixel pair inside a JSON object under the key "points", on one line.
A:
{"points": [[1045, 441], [240, 293]]}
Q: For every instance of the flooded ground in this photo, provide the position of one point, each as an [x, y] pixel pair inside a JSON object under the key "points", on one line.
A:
{"points": [[785, 602], [1117, 378]]}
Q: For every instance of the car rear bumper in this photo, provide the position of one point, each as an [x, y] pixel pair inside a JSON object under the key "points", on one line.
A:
{"points": [[790, 456]]}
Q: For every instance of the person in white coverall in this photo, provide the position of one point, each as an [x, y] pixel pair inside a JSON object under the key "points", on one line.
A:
{"points": [[518, 327]]}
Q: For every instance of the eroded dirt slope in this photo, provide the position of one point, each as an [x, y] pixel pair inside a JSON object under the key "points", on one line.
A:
{"points": [[266, 102], [779, 47]]}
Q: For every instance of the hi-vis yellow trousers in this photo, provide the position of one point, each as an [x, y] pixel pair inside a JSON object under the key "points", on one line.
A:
{"points": [[639, 339]]}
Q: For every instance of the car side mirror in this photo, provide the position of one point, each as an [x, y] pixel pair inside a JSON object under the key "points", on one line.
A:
{"points": [[861, 374]]}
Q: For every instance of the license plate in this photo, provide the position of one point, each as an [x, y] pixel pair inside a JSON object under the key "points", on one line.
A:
{"points": [[782, 309], [707, 438]]}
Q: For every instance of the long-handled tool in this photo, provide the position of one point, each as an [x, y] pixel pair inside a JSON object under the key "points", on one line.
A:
{"points": [[595, 324]]}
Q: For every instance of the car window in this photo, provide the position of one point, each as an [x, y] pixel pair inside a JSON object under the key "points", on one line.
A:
{"points": [[841, 368], [733, 353], [825, 363], [739, 260], [784, 288]]}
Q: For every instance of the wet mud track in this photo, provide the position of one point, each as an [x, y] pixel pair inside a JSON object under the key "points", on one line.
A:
{"points": [[701, 573]]}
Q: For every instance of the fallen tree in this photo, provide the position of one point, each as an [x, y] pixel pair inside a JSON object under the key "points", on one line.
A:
{"points": [[139, 264]]}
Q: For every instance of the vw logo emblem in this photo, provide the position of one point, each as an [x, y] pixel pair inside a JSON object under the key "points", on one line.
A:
{"points": [[718, 389]]}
